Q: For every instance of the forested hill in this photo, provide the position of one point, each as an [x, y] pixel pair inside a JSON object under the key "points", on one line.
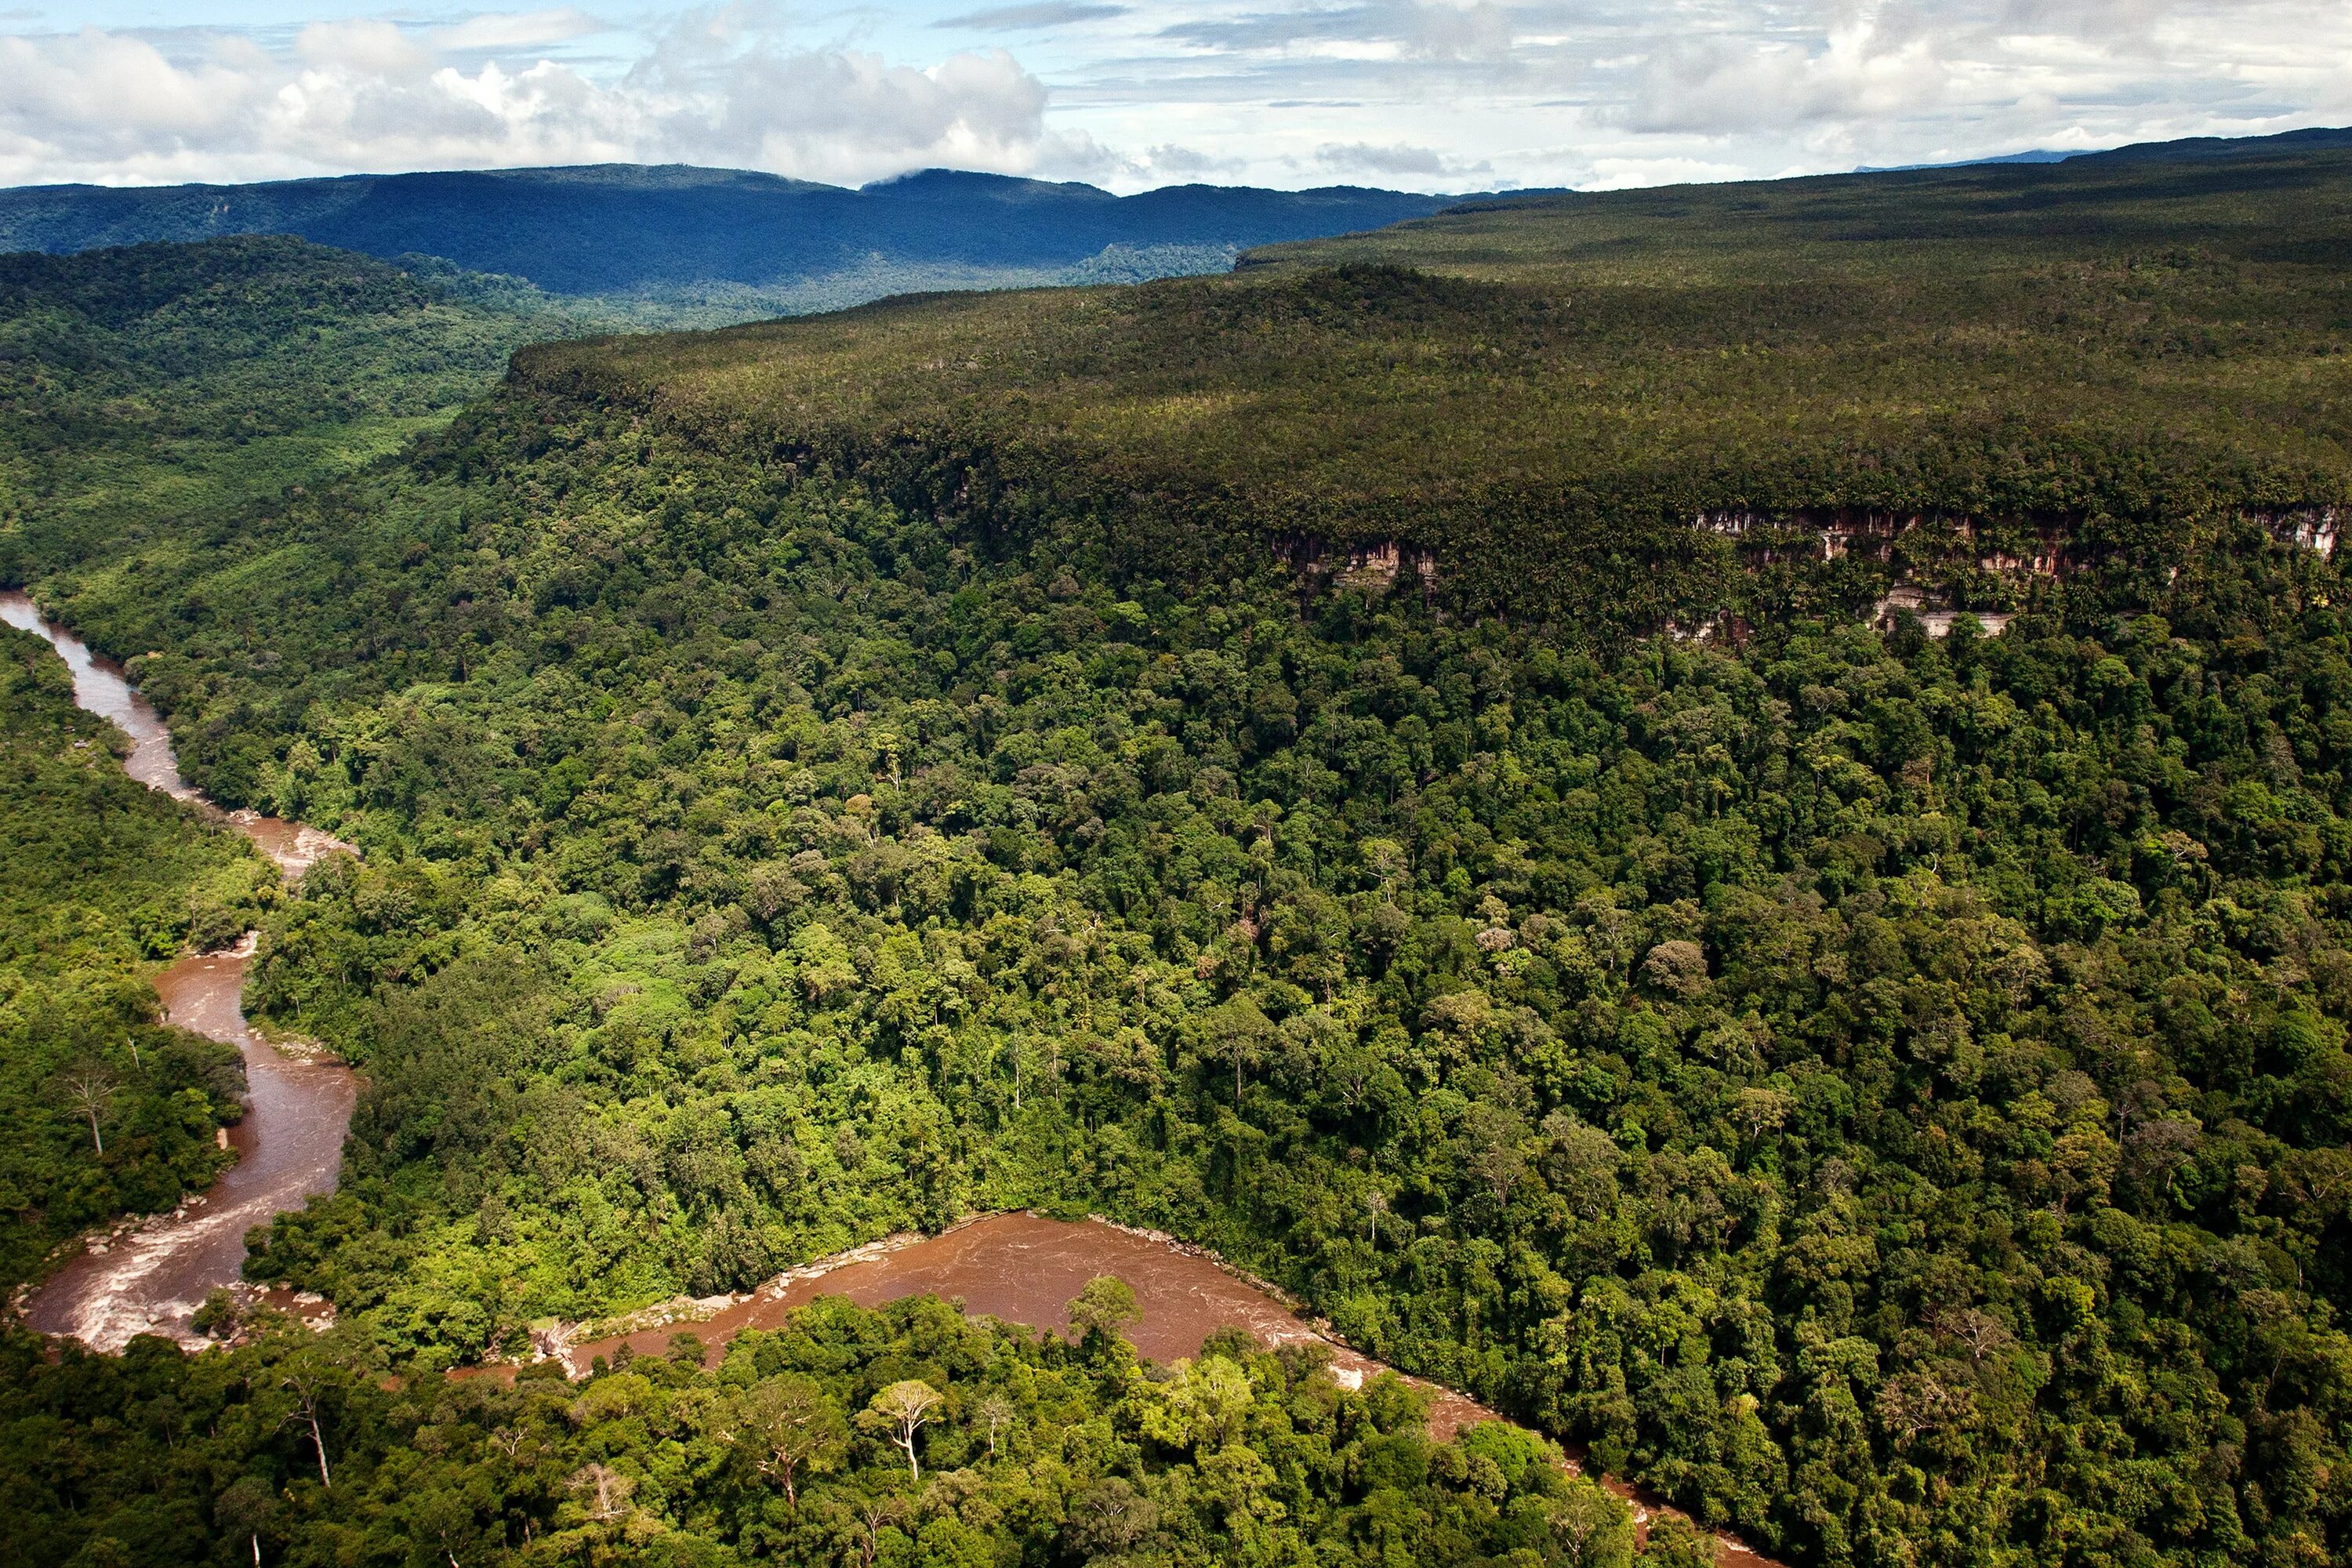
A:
{"points": [[166, 384], [1888, 1091], [1535, 388], [623, 228]]}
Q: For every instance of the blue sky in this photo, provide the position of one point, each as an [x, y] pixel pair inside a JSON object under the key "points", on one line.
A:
{"points": [[1427, 94]]}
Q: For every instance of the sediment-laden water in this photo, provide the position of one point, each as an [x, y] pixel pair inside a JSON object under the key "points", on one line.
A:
{"points": [[1020, 1267], [152, 1277], [1023, 1269]]}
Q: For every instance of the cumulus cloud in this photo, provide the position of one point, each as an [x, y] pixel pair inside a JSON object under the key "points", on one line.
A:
{"points": [[1718, 87], [1433, 93], [1930, 77], [360, 95]]}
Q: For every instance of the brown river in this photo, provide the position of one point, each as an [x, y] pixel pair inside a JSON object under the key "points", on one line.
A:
{"points": [[1023, 1269], [151, 1276], [1020, 1267]]}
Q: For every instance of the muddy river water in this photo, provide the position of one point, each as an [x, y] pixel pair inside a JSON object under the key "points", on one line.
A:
{"points": [[1023, 1269], [1020, 1267], [151, 1278]]}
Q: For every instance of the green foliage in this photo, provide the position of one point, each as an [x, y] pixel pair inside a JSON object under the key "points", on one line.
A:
{"points": [[1888, 1093], [1031, 1451], [1106, 1306], [184, 380], [103, 875], [1837, 1078], [1548, 392]]}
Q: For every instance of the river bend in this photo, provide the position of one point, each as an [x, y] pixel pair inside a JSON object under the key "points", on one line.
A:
{"points": [[150, 1276], [1023, 1268]]}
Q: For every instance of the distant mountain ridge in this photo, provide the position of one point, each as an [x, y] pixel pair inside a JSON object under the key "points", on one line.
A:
{"points": [[730, 244], [619, 228], [2314, 139]]}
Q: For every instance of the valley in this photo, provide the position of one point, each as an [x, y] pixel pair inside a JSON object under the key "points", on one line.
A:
{"points": [[687, 246], [1717, 817], [287, 1143]]}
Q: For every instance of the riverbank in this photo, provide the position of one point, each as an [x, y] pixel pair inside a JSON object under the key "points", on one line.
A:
{"points": [[1024, 1267], [1020, 1267], [149, 1276]]}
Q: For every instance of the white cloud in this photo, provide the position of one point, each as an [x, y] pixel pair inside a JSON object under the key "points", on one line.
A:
{"points": [[1593, 92], [1441, 94], [102, 97], [1857, 73], [363, 49], [1177, 164], [369, 95]]}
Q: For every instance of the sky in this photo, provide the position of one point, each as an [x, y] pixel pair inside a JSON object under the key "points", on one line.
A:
{"points": [[1433, 95]]}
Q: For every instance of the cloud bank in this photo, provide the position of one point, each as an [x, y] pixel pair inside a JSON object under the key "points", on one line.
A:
{"points": [[1594, 92], [368, 95], [1439, 94]]}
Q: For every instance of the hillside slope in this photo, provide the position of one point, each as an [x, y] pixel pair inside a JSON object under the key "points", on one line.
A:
{"points": [[1888, 1091], [1522, 386], [166, 384]]}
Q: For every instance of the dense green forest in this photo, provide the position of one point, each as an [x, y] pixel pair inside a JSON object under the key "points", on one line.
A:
{"points": [[1890, 1093], [179, 382], [1548, 392], [103, 1110], [908, 1436], [158, 386]]}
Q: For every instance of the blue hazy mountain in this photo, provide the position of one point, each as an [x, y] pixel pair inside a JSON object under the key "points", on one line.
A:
{"points": [[611, 228], [2316, 139]]}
